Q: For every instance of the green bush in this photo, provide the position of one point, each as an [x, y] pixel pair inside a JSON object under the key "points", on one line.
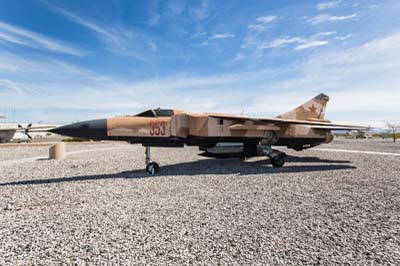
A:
{"points": [[75, 140]]}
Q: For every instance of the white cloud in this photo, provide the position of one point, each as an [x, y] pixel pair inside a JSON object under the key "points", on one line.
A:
{"points": [[201, 12], [83, 22], [257, 27], [343, 38], [329, 18], [310, 44], [239, 57], [222, 36], [325, 33], [262, 24], [8, 84], [20, 36], [302, 43], [205, 43], [280, 42], [362, 81], [118, 40], [9, 38], [328, 5], [266, 19]]}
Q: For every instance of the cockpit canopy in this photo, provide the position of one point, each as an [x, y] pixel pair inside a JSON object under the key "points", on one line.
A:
{"points": [[157, 112]]}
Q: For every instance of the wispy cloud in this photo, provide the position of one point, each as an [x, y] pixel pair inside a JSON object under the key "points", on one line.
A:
{"points": [[345, 37], [310, 44], [329, 18], [328, 5], [8, 84], [325, 33], [222, 36], [302, 43], [262, 23], [83, 22], [201, 11], [256, 30], [118, 40], [358, 79], [20, 36], [280, 43]]}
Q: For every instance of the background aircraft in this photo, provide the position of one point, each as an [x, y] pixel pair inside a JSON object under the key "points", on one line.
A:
{"points": [[217, 135], [19, 132]]}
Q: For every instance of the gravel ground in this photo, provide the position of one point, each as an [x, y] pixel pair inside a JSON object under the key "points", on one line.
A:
{"points": [[376, 144], [100, 208], [9, 151]]}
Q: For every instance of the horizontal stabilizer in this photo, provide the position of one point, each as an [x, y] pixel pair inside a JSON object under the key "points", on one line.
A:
{"points": [[334, 127]]}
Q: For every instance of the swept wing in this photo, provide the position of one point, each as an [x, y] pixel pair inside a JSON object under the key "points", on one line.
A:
{"points": [[278, 122]]}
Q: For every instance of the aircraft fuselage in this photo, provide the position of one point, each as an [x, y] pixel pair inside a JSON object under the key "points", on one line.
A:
{"points": [[194, 130]]}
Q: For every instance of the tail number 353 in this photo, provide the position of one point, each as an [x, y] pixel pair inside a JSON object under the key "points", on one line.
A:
{"points": [[157, 128]]}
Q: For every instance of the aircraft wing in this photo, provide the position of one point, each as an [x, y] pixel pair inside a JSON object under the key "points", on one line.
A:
{"points": [[32, 129], [40, 128], [7, 130], [280, 122]]}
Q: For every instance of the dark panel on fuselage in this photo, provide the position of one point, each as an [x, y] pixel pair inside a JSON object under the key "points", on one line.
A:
{"points": [[250, 143]]}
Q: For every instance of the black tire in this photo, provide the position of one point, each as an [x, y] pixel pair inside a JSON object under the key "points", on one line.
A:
{"points": [[278, 161], [153, 168]]}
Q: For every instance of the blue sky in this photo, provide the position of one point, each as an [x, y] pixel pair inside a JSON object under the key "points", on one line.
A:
{"points": [[64, 61]]}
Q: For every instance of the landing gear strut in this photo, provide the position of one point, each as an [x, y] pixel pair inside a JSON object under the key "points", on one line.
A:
{"points": [[264, 148], [152, 168]]}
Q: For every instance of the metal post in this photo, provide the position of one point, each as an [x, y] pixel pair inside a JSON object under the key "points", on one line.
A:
{"points": [[147, 155]]}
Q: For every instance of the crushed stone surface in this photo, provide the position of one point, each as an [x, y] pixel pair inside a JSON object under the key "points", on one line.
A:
{"points": [[100, 207]]}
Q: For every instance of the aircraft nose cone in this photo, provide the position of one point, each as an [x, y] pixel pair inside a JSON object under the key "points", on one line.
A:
{"points": [[91, 129]]}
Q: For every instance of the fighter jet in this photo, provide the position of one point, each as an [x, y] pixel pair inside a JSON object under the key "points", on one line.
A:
{"points": [[217, 135]]}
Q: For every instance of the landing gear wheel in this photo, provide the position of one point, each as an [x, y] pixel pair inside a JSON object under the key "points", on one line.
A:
{"points": [[277, 158], [278, 161], [153, 168]]}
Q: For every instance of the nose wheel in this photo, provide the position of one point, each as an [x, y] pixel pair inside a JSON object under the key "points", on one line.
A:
{"points": [[152, 168]]}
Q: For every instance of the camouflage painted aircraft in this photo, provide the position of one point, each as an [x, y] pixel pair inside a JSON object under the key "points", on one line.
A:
{"points": [[217, 135]]}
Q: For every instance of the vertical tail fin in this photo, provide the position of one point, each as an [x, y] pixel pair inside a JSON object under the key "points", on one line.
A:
{"points": [[314, 109]]}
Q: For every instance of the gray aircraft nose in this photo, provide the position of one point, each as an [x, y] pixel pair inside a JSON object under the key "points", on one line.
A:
{"points": [[90, 129]]}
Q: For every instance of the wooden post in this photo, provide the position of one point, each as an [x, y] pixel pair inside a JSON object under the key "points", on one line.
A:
{"points": [[57, 151]]}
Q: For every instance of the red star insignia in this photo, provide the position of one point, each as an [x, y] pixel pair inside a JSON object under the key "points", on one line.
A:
{"points": [[312, 109]]}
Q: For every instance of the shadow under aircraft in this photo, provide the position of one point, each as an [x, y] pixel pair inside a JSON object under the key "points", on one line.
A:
{"points": [[209, 166]]}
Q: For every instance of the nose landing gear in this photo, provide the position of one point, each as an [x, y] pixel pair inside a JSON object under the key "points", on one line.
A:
{"points": [[152, 168]]}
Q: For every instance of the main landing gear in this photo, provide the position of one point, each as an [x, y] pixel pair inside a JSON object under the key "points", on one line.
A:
{"points": [[264, 148], [277, 158], [152, 168]]}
